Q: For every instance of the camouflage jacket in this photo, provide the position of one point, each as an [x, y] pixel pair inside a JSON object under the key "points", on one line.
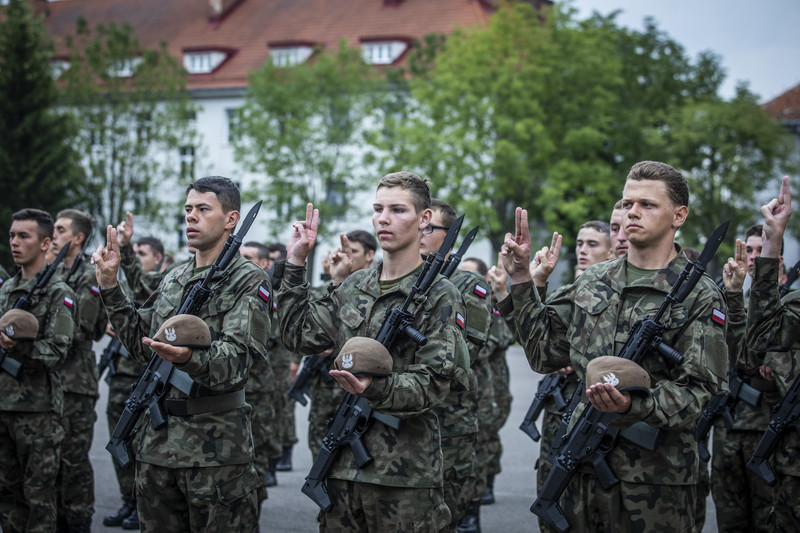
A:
{"points": [[772, 327], [421, 378], [79, 371], [594, 317], [141, 284], [38, 388], [238, 315]]}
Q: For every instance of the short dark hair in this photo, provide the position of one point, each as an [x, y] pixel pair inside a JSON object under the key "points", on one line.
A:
{"points": [[677, 186], [365, 238], [80, 222], [226, 190], [483, 270], [617, 205], [261, 251], [43, 221], [155, 244], [278, 247], [757, 230], [599, 226], [409, 181], [448, 213]]}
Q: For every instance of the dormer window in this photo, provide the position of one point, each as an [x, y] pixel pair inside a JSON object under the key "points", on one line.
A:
{"points": [[383, 52], [125, 69], [203, 62], [289, 56]]}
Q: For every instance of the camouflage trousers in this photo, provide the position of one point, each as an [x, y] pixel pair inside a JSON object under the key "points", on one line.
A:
{"points": [[364, 507], [265, 445], [550, 423], [118, 392], [324, 402], [76, 477], [30, 446], [628, 507], [459, 478], [742, 499], [785, 514], [196, 500], [703, 490], [284, 406]]}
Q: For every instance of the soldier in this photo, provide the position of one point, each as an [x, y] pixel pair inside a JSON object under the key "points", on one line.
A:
{"points": [[3, 275], [78, 373], [31, 404], [196, 473], [592, 317], [772, 327], [619, 241], [402, 488], [142, 261]]}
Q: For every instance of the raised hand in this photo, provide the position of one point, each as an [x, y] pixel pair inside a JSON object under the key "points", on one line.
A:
{"points": [[342, 260], [106, 260], [303, 238], [546, 260], [497, 279], [125, 229], [516, 250], [776, 217], [735, 270]]}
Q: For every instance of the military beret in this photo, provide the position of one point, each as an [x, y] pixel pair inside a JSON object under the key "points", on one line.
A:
{"points": [[623, 374], [184, 330], [362, 355], [19, 325]]}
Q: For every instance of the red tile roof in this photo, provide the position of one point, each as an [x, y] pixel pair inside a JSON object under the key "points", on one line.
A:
{"points": [[786, 107], [249, 25]]}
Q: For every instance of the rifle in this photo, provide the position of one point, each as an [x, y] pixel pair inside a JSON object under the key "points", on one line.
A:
{"points": [[160, 375], [354, 416], [312, 365], [78, 261], [593, 437], [25, 302], [785, 416], [453, 260], [551, 386], [111, 354], [791, 276], [721, 405]]}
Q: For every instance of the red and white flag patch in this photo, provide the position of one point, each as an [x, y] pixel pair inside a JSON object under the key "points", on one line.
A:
{"points": [[68, 302], [481, 291], [496, 311], [460, 320], [263, 293], [718, 317], [95, 290]]}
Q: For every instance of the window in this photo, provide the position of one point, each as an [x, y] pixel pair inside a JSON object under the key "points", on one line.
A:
{"points": [[58, 66], [290, 55], [125, 69], [144, 123], [187, 163], [203, 62], [234, 123], [382, 53]]}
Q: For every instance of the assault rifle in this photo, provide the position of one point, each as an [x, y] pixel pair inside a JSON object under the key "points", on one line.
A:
{"points": [[453, 260], [301, 388], [160, 375], [354, 416], [785, 416], [113, 351], [550, 387], [78, 261], [25, 302], [593, 436], [721, 405], [791, 276]]}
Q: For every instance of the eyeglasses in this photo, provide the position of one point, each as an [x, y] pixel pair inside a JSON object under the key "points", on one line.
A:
{"points": [[430, 227]]}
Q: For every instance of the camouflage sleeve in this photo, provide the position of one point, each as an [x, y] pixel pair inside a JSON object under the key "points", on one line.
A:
{"points": [[131, 325], [140, 283], [51, 347], [93, 317], [771, 326], [540, 328], [737, 323], [478, 301]]}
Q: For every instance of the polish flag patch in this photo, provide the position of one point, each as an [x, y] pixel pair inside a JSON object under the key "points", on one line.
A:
{"points": [[263, 293], [95, 290], [460, 320], [68, 302], [496, 311], [481, 291], [274, 305], [718, 317]]}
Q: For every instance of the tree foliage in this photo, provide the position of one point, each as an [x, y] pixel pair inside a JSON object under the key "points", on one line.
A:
{"points": [[38, 163], [136, 115]]}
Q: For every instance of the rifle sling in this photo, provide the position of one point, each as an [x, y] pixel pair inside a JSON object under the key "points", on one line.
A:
{"points": [[206, 404]]}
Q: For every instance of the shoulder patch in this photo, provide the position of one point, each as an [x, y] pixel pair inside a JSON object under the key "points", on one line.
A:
{"points": [[460, 322], [95, 290], [68, 302], [481, 290], [263, 293], [496, 311], [718, 317]]}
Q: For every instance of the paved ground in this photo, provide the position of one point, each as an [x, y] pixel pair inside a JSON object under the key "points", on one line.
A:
{"points": [[288, 510]]}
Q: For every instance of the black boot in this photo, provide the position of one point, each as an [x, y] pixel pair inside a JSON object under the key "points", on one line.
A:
{"points": [[471, 522], [284, 463], [115, 520], [488, 496], [132, 521], [271, 479]]}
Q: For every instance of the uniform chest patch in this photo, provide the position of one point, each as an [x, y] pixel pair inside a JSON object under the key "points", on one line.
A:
{"points": [[718, 317], [610, 379], [347, 360], [169, 334], [95, 290]]}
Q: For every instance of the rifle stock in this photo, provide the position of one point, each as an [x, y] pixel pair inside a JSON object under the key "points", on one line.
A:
{"points": [[550, 387]]}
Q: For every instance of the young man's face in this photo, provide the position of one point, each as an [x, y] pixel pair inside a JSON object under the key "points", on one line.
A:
{"points": [[753, 246], [431, 242], [397, 223], [206, 222], [361, 259], [619, 242], [148, 257], [592, 247], [251, 254], [63, 234], [650, 217], [26, 247]]}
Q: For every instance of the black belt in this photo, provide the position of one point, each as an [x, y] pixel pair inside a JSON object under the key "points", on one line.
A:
{"points": [[205, 404]]}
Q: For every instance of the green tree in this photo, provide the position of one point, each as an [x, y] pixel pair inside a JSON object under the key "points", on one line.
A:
{"points": [[136, 115], [39, 166]]}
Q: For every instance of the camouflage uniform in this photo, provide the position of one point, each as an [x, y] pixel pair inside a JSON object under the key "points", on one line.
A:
{"points": [[407, 466], [593, 318], [261, 394], [141, 284], [204, 462], [772, 327], [31, 407], [3, 275], [500, 338], [285, 434], [79, 382]]}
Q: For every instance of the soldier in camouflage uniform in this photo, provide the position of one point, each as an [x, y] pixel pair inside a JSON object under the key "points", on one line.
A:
{"points": [[196, 473], [3, 275], [401, 490], [593, 318], [772, 328], [78, 373], [31, 405]]}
